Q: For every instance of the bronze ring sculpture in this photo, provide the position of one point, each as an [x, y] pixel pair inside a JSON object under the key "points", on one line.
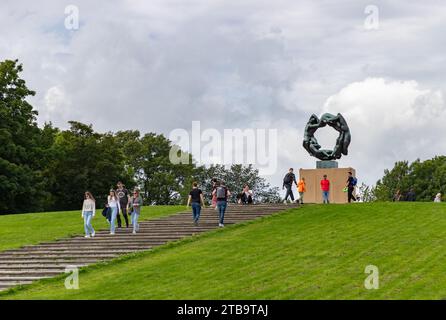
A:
{"points": [[342, 142]]}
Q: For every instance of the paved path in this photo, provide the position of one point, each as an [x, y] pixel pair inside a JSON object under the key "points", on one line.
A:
{"points": [[47, 259]]}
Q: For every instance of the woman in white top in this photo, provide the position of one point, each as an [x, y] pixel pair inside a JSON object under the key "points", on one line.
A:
{"points": [[88, 211], [437, 197], [113, 203]]}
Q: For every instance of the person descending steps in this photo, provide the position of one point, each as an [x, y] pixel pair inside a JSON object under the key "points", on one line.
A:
{"points": [[88, 211], [115, 207], [135, 207]]}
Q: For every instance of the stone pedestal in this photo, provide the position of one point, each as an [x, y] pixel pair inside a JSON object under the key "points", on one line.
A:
{"points": [[338, 181], [325, 164]]}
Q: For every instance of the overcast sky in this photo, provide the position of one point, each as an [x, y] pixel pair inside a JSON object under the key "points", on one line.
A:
{"points": [[159, 65]]}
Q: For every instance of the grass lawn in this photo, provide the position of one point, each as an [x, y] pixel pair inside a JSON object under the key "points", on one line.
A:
{"points": [[318, 252], [31, 228]]}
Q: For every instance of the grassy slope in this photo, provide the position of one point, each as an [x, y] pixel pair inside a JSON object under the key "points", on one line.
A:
{"points": [[23, 229], [319, 252]]}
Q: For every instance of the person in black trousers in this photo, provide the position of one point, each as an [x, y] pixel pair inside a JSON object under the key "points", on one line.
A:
{"points": [[351, 187], [288, 183], [124, 198]]}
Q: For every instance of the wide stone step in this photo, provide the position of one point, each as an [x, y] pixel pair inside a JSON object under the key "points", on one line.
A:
{"points": [[37, 266], [76, 251], [33, 273], [55, 256], [20, 279], [105, 241], [23, 260], [97, 246]]}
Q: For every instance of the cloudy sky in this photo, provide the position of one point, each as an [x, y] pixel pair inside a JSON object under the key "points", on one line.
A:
{"points": [[158, 65]]}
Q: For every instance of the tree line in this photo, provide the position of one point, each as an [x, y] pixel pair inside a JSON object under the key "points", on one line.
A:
{"points": [[46, 168], [426, 178]]}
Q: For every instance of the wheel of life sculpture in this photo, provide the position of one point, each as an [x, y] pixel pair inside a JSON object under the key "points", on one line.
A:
{"points": [[342, 142]]}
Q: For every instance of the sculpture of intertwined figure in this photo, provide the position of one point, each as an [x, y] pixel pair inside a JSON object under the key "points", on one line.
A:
{"points": [[342, 142]]}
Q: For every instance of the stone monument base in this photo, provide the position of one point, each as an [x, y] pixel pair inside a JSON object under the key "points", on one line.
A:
{"points": [[338, 181], [325, 164]]}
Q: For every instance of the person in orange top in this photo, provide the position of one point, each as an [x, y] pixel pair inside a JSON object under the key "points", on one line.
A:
{"points": [[325, 187], [301, 188]]}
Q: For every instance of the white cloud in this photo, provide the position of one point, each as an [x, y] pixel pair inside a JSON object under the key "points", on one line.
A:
{"points": [[390, 121], [158, 65]]}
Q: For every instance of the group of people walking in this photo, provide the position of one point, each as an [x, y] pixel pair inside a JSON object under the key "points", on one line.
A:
{"points": [[290, 179], [119, 201], [220, 195]]}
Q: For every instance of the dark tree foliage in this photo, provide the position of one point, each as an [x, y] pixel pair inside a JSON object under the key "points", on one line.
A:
{"points": [[50, 169], [21, 184], [427, 178]]}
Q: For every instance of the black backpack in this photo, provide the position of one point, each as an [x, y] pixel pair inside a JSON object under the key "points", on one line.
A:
{"points": [[287, 179], [221, 192]]}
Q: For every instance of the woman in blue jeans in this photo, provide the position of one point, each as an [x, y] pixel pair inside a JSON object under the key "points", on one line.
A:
{"points": [[135, 207], [222, 194], [113, 203], [88, 211], [196, 198]]}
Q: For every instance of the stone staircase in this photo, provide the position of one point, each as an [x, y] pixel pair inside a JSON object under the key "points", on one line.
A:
{"points": [[47, 259]]}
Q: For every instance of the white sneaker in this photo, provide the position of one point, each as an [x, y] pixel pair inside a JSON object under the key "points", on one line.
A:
{"points": [[112, 233], [93, 234], [134, 232], [221, 225], [87, 236]]}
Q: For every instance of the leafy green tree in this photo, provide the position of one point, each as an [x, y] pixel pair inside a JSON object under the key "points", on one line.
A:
{"points": [[84, 160], [22, 187], [426, 178]]}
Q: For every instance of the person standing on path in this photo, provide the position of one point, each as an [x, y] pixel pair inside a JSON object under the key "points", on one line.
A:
{"points": [[301, 188], [135, 207], [196, 199], [437, 197], [288, 183], [115, 207], [222, 193], [124, 197], [351, 183], [325, 187], [88, 212]]}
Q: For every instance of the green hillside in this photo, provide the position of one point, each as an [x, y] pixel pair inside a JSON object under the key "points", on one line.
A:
{"points": [[317, 252]]}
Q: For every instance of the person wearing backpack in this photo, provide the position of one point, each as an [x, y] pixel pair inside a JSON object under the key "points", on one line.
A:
{"points": [[222, 193], [288, 183], [351, 183]]}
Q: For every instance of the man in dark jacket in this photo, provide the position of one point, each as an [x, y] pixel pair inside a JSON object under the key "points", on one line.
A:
{"points": [[288, 183]]}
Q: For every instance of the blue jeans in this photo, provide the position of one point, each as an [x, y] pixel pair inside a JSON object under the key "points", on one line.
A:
{"points": [[221, 206], [325, 195], [114, 213], [196, 209], [135, 217], [88, 215]]}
